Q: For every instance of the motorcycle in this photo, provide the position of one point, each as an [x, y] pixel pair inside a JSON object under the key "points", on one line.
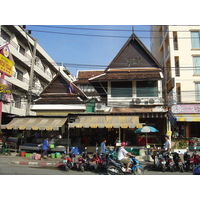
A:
{"points": [[178, 162], [188, 161], [68, 163], [169, 161], [196, 158], [117, 168], [160, 161], [83, 162]]}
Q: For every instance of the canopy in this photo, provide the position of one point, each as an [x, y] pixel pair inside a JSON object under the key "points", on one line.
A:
{"points": [[40, 123], [187, 117], [106, 121]]}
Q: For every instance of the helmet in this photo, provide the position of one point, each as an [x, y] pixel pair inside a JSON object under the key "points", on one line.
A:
{"points": [[196, 170], [123, 143]]}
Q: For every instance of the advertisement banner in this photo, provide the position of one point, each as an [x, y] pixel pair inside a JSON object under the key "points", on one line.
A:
{"points": [[6, 65], [5, 91]]}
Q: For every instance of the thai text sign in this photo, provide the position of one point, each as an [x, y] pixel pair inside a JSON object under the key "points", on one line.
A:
{"points": [[5, 91], [186, 108], [6, 65]]}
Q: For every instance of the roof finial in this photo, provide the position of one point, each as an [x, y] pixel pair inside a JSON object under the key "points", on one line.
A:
{"points": [[133, 32]]}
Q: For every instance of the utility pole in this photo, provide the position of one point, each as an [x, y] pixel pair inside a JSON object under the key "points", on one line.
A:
{"points": [[29, 99]]}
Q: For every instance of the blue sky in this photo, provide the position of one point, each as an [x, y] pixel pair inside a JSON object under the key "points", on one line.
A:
{"points": [[76, 45]]}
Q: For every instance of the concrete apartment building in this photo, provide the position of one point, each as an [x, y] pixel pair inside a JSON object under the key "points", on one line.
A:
{"points": [[177, 48], [21, 46]]}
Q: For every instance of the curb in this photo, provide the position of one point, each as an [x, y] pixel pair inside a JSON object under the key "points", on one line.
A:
{"points": [[37, 163]]}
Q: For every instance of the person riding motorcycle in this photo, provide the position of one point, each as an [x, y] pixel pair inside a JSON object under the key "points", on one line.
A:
{"points": [[122, 156]]}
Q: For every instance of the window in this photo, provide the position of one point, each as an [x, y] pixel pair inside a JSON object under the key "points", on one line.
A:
{"points": [[19, 75], [147, 88], [21, 50], [197, 91], [177, 67], [175, 40], [196, 64], [5, 35], [195, 39], [121, 89], [178, 92]]}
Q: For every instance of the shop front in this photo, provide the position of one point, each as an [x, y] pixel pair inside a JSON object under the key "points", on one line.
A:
{"points": [[185, 122], [30, 132]]}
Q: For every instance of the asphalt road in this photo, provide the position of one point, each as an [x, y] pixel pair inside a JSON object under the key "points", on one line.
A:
{"points": [[15, 169]]}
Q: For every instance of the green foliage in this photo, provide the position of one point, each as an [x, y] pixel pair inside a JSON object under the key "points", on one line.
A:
{"points": [[181, 144]]}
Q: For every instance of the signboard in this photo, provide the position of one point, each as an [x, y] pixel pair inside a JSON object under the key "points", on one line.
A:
{"points": [[6, 65], [186, 108], [5, 91]]}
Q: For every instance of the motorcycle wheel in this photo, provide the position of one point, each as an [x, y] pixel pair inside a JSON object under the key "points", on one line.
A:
{"points": [[172, 169], [181, 168], [82, 168], [163, 167], [112, 170], [66, 168], [139, 171]]}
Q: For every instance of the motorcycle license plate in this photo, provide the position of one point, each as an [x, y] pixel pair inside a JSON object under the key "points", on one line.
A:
{"points": [[180, 163]]}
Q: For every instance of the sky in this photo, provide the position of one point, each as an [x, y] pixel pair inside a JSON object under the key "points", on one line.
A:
{"points": [[86, 47]]}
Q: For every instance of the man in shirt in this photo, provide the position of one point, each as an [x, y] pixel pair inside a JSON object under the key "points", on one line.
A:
{"points": [[122, 156], [45, 147], [167, 144], [103, 146]]}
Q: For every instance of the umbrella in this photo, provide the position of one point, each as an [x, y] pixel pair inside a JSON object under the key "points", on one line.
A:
{"points": [[146, 129]]}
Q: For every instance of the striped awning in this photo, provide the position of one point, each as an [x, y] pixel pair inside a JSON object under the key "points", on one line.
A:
{"points": [[40, 123], [187, 117], [105, 121]]}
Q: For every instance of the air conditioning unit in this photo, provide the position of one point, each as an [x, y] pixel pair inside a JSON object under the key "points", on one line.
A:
{"points": [[147, 100], [100, 107]]}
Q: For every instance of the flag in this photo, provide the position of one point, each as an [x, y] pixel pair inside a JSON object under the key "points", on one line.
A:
{"points": [[71, 90]]}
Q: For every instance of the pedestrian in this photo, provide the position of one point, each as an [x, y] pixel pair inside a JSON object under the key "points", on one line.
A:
{"points": [[45, 147], [103, 147], [175, 133], [167, 144]]}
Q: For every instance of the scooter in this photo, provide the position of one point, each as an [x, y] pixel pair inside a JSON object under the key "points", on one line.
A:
{"points": [[68, 163], [117, 168], [178, 162], [83, 162], [170, 164], [160, 161], [188, 161], [196, 158]]}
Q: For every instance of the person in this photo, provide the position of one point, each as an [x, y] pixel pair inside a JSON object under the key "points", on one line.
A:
{"points": [[196, 170], [103, 147], [167, 144], [122, 153], [175, 133], [45, 147]]}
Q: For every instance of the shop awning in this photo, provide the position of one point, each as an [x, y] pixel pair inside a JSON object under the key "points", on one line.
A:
{"points": [[187, 117], [106, 121], [40, 123]]}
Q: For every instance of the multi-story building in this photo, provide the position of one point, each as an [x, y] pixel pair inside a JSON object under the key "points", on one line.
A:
{"points": [[21, 46], [177, 48]]}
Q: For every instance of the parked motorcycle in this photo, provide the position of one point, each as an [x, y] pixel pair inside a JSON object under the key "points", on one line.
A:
{"points": [[188, 161], [178, 162], [170, 164], [68, 163], [117, 168], [83, 162], [160, 161], [196, 158]]}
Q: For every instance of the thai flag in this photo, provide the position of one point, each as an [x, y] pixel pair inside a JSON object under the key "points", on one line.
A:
{"points": [[71, 90]]}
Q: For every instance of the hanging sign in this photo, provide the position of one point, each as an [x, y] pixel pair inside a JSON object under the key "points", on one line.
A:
{"points": [[6, 65]]}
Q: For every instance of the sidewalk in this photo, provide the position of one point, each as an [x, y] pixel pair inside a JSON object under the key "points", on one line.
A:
{"points": [[50, 162]]}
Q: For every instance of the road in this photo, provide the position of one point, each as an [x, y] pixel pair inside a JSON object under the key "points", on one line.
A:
{"points": [[14, 169]]}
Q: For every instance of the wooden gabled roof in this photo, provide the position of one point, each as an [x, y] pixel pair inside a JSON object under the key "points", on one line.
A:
{"points": [[133, 62], [133, 54], [58, 92]]}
